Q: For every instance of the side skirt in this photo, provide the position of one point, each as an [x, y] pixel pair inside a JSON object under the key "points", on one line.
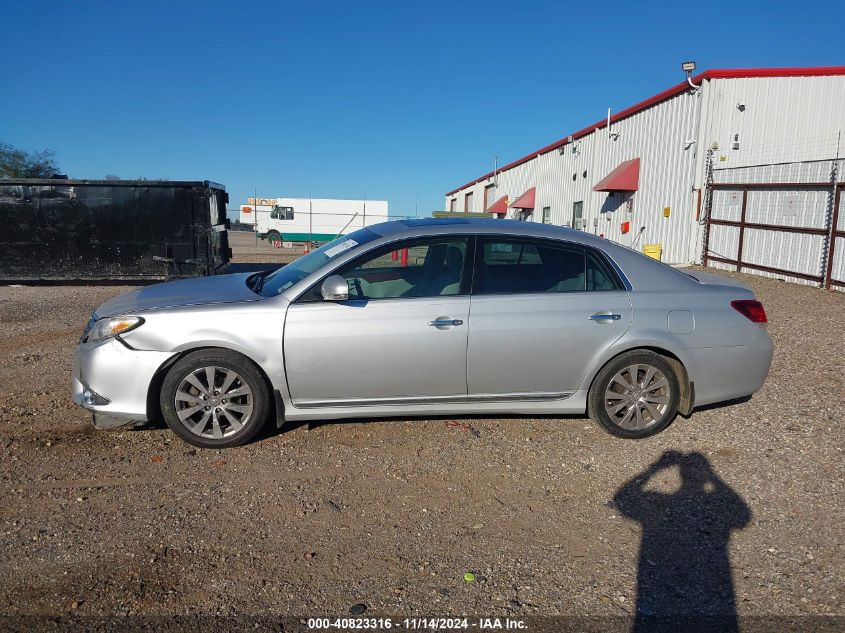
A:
{"points": [[483, 405]]}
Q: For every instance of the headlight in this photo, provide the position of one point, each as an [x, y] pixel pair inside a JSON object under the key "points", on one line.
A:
{"points": [[106, 328]]}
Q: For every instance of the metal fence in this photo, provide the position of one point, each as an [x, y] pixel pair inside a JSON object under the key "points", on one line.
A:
{"points": [[780, 220]]}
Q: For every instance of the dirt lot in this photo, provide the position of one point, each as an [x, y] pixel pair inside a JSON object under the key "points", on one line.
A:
{"points": [[742, 513], [246, 248]]}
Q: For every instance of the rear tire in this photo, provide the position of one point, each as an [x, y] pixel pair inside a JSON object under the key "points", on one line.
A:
{"points": [[215, 398], [635, 395]]}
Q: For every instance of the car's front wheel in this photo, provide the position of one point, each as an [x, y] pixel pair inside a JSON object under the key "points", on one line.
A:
{"points": [[215, 398], [635, 395]]}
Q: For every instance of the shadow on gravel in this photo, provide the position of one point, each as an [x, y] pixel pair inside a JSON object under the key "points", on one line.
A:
{"points": [[684, 579]]}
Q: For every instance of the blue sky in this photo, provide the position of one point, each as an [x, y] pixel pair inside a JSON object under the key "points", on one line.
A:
{"points": [[393, 100]]}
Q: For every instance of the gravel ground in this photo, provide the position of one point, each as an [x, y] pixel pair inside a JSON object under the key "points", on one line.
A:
{"points": [[247, 249], [737, 508]]}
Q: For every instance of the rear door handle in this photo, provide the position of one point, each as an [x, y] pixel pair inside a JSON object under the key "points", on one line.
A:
{"points": [[441, 322], [606, 316]]}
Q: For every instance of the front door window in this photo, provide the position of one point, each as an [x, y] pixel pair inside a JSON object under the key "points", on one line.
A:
{"points": [[401, 336], [421, 269]]}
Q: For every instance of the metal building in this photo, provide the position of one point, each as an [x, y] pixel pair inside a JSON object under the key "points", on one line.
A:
{"points": [[738, 169]]}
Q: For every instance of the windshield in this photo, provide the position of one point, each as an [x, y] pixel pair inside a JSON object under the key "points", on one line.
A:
{"points": [[280, 280]]}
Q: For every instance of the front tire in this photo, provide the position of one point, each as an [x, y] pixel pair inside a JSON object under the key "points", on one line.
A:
{"points": [[635, 395], [215, 398]]}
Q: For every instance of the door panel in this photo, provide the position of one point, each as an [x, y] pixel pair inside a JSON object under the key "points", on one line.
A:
{"points": [[540, 343], [357, 352], [531, 330]]}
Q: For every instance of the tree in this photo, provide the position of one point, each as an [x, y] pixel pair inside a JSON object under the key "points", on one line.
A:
{"points": [[111, 177], [16, 163]]}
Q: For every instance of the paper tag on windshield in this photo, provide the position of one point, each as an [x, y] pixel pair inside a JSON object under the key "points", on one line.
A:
{"points": [[343, 246]]}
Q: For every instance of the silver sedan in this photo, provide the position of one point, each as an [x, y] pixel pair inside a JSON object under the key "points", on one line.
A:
{"points": [[426, 318]]}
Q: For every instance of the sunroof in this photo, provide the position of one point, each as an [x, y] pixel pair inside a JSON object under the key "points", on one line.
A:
{"points": [[431, 221]]}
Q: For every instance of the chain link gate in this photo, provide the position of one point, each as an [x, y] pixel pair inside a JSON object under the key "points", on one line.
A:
{"points": [[777, 220]]}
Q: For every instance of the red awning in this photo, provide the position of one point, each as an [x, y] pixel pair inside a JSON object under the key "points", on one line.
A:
{"points": [[526, 200], [500, 206], [626, 177]]}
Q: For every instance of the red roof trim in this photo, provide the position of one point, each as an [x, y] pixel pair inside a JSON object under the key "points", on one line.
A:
{"points": [[735, 73]]}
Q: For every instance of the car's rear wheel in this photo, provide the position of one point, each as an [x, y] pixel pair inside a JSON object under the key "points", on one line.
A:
{"points": [[215, 398], [635, 395]]}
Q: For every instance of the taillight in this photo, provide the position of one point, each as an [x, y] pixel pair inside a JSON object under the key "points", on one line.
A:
{"points": [[751, 309]]}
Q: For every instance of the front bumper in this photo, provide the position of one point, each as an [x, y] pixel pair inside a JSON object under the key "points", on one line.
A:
{"points": [[120, 375]]}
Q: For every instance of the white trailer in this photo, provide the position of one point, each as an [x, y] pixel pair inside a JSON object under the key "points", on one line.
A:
{"points": [[248, 214], [312, 220]]}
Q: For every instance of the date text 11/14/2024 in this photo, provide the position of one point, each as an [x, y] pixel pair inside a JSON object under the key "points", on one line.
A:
{"points": [[417, 624]]}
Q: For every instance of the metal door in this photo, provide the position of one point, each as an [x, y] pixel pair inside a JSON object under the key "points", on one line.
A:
{"points": [[542, 313], [577, 215], [540, 344], [390, 351], [400, 339]]}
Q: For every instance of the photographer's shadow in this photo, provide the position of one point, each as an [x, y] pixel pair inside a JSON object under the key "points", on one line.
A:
{"points": [[684, 580]]}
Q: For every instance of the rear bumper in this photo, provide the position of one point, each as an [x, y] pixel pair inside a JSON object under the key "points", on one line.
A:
{"points": [[117, 374], [726, 373]]}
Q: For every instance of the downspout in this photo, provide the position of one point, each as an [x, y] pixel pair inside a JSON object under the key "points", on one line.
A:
{"points": [[698, 94]]}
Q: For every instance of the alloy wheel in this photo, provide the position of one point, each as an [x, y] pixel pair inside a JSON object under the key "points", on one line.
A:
{"points": [[637, 397], [214, 402]]}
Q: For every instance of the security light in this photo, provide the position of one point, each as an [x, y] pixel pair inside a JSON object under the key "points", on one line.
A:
{"points": [[688, 68]]}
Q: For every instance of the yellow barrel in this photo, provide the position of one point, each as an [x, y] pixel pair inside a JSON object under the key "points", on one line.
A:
{"points": [[654, 251]]}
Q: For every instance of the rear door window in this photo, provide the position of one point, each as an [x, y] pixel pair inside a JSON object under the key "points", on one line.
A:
{"points": [[599, 274], [515, 266]]}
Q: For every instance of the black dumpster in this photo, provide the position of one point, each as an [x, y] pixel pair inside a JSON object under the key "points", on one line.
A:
{"points": [[111, 230]]}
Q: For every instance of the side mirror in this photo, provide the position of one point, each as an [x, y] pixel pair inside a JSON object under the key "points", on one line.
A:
{"points": [[335, 288]]}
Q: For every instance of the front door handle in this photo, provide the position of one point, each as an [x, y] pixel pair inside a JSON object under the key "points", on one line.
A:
{"points": [[606, 316], [444, 322]]}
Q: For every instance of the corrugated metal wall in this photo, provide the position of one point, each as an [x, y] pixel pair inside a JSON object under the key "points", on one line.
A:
{"points": [[659, 137], [815, 171], [776, 120]]}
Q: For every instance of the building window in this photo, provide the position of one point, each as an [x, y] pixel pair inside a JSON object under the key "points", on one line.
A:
{"points": [[453, 205], [547, 215], [468, 203], [489, 196], [282, 213]]}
